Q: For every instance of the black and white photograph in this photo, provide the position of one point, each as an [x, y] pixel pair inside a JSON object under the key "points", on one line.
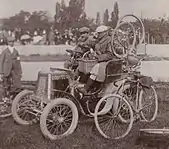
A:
{"points": [[84, 74]]}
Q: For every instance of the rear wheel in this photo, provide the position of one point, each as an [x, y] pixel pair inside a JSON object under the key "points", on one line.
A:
{"points": [[107, 119], [148, 102]]}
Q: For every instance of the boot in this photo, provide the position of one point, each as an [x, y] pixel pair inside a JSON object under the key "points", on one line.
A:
{"points": [[91, 85], [87, 87]]}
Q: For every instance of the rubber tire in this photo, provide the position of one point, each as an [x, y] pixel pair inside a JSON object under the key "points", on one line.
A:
{"points": [[156, 105], [46, 111], [96, 120], [133, 44], [139, 20], [15, 115]]}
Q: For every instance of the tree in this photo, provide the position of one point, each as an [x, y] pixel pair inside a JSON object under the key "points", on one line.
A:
{"points": [[57, 13], [63, 5], [39, 19], [113, 21], [114, 15], [75, 9], [98, 21], [106, 17], [18, 20], [72, 14], [116, 11]]}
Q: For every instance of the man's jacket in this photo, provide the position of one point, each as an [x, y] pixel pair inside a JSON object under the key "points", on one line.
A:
{"points": [[103, 49], [9, 61]]}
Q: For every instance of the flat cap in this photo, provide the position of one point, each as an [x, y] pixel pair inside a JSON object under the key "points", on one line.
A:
{"points": [[84, 29]]}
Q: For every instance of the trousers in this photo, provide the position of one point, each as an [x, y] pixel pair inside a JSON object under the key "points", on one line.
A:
{"points": [[12, 82], [98, 72]]}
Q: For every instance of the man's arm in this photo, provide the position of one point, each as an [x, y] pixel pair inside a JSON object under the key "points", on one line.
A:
{"points": [[19, 62], [108, 55]]}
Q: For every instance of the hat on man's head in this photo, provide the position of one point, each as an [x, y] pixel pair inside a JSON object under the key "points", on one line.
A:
{"points": [[10, 39], [101, 29], [84, 30]]}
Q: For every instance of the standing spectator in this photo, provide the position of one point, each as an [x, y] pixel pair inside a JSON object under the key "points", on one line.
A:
{"points": [[51, 36], [35, 33], [13, 34], [56, 37], [10, 67]]}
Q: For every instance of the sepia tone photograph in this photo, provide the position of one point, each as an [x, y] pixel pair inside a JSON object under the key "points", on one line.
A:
{"points": [[84, 74]]}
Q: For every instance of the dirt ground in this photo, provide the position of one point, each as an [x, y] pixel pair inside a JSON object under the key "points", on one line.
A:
{"points": [[14, 136]]}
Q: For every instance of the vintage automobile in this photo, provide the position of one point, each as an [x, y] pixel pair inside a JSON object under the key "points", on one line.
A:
{"points": [[58, 101]]}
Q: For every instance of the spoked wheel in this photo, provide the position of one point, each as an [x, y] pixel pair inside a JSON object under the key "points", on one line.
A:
{"points": [[107, 120], [24, 108], [59, 119], [130, 94], [139, 23], [148, 102], [121, 42]]}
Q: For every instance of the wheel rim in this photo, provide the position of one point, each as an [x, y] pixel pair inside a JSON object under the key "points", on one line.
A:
{"points": [[148, 104], [109, 124], [59, 120], [130, 94], [119, 41], [26, 108], [124, 114], [141, 23]]}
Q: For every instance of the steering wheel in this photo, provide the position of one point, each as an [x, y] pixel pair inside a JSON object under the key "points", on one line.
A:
{"points": [[89, 55], [120, 40]]}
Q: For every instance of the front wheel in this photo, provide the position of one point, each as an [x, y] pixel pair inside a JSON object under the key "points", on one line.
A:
{"points": [[59, 119], [148, 102], [107, 120]]}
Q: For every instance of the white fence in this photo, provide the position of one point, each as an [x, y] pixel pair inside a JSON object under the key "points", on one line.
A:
{"points": [[159, 70], [40, 49], [159, 50]]}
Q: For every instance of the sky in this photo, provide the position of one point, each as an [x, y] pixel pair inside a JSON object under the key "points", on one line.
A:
{"points": [[148, 8]]}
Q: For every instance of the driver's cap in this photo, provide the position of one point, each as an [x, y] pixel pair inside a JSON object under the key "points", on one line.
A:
{"points": [[84, 30], [101, 29]]}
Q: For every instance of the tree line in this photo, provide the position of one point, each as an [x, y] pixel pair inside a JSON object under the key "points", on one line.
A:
{"points": [[74, 16]]}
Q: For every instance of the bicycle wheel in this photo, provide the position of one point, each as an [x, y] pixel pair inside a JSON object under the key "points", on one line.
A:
{"points": [[120, 40], [107, 121], [129, 92], [148, 104], [139, 21], [59, 119], [23, 108]]}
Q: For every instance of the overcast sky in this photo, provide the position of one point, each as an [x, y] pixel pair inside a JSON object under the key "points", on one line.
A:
{"points": [[148, 8]]}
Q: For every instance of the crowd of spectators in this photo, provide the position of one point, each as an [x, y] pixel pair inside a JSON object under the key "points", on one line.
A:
{"points": [[41, 36]]}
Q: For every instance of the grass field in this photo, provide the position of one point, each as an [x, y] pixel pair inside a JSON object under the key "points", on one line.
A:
{"points": [[14, 136]]}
